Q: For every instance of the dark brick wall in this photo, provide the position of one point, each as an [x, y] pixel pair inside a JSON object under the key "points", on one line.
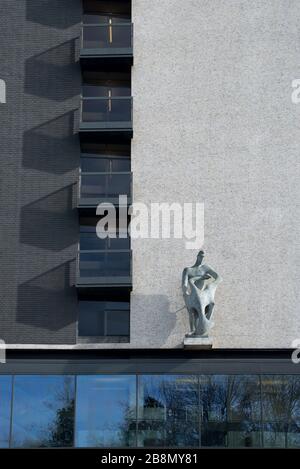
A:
{"points": [[39, 170]]}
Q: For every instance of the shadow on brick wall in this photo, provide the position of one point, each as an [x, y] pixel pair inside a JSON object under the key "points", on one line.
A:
{"points": [[51, 222], [49, 302], [52, 146], [54, 74], [56, 13]]}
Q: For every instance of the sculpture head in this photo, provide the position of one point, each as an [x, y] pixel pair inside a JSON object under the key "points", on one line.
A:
{"points": [[200, 257]]}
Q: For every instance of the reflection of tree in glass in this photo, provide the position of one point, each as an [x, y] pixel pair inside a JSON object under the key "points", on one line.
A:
{"points": [[120, 433], [60, 432], [281, 409], [55, 427], [231, 408], [169, 411]]}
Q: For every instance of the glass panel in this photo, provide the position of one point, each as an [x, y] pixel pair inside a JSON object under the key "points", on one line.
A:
{"points": [[105, 185], [231, 411], [106, 411], [120, 164], [117, 322], [90, 18], [91, 319], [89, 241], [100, 164], [115, 35], [105, 164], [106, 109], [102, 318], [281, 411], [106, 89], [105, 264], [5, 409], [168, 411], [43, 411]]}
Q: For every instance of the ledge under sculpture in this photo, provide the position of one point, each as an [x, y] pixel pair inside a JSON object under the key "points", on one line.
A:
{"points": [[199, 284]]}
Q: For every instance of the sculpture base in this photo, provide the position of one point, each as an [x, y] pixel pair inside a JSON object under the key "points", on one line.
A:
{"points": [[197, 343]]}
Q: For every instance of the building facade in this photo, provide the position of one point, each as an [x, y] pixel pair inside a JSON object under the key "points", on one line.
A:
{"points": [[160, 102]]}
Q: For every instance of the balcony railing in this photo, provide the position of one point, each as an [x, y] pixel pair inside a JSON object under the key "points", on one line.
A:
{"points": [[106, 112], [107, 38], [104, 268], [96, 187]]}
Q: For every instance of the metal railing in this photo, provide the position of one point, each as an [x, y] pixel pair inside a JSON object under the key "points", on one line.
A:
{"points": [[103, 185], [106, 109], [107, 36]]}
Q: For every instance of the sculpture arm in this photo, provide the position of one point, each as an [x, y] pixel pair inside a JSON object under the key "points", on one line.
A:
{"points": [[214, 275], [185, 280]]}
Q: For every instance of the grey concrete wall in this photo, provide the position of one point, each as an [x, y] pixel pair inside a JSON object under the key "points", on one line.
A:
{"points": [[39, 167], [214, 123]]}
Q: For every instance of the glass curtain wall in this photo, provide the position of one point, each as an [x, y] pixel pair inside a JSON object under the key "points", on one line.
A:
{"points": [[150, 411]]}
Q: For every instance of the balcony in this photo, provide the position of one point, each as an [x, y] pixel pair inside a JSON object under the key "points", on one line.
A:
{"points": [[98, 269], [96, 188], [107, 44], [105, 117]]}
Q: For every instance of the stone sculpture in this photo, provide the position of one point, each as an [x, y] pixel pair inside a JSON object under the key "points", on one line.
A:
{"points": [[199, 284]]}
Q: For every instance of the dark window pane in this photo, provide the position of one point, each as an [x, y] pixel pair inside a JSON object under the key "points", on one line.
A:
{"points": [[281, 411], [90, 18], [106, 110], [5, 408], [43, 411], [102, 318], [97, 186], [96, 164], [168, 413], [117, 322], [106, 411], [91, 319], [89, 241], [105, 164], [107, 36], [231, 411], [102, 265]]}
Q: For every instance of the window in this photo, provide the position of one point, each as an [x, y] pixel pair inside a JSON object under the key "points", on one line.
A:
{"points": [[101, 11], [90, 241], [225, 411], [231, 411], [93, 162], [43, 411], [168, 411], [5, 410], [281, 411], [105, 158], [106, 411], [108, 84], [103, 318]]}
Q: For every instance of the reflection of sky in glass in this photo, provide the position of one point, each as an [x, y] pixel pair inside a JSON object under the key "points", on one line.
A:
{"points": [[36, 402], [169, 391], [173, 410], [105, 407], [5, 406], [168, 411]]}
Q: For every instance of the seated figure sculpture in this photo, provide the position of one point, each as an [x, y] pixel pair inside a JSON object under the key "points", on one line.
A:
{"points": [[199, 284]]}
